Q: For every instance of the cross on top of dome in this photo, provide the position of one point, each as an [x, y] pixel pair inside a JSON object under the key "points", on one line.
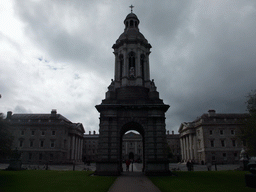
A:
{"points": [[131, 8]]}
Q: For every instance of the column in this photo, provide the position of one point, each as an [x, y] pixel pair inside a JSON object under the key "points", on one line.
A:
{"points": [[78, 150], [73, 146], [187, 148], [190, 147], [184, 144], [181, 147]]}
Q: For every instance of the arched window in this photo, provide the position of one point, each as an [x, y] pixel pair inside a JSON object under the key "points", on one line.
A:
{"points": [[131, 23], [142, 63], [121, 63], [132, 64]]}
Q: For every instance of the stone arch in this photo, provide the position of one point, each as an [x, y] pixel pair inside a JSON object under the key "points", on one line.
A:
{"points": [[129, 126]]}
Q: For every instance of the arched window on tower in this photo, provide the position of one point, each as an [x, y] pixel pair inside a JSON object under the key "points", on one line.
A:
{"points": [[132, 64], [131, 23], [121, 63], [142, 63]]}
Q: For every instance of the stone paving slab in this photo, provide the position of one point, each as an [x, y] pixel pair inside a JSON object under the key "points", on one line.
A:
{"points": [[133, 182]]}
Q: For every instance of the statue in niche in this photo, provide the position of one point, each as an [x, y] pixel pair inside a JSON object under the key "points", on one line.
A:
{"points": [[132, 72]]}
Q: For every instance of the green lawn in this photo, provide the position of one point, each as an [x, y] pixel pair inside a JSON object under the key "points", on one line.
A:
{"points": [[203, 181], [63, 181]]}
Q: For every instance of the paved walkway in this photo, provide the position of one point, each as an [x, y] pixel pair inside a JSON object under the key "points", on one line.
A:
{"points": [[133, 182]]}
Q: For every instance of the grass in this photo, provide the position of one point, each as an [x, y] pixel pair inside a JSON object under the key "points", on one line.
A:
{"points": [[230, 181], [64, 181]]}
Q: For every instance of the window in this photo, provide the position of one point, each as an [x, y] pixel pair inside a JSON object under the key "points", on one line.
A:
{"points": [[32, 133], [198, 132], [31, 143], [210, 132], [234, 143], [21, 143], [131, 23], [22, 132], [212, 143], [41, 143], [221, 132], [53, 132], [235, 154], [199, 144], [40, 157], [43, 133], [213, 158], [232, 132], [52, 144], [224, 156], [30, 156], [222, 143], [51, 157]]}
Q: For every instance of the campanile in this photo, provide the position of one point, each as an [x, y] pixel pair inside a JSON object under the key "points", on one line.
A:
{"points": [[132, 103]]}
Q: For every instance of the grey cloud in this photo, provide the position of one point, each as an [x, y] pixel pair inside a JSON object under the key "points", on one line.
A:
{"points": [[203, 54]]}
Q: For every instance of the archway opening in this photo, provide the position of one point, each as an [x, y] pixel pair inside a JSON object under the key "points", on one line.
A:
{"points": [[132, 147]]}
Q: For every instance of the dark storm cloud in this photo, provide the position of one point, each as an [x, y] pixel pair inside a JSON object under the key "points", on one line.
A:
{"points": [[53, 35], [203, 52]]}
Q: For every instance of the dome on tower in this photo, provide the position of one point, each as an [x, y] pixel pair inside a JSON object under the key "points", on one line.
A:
{"points": [[131, 32], [131, 16]]}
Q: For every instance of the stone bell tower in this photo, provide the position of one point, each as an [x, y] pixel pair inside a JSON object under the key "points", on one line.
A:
{"points": [[132, 103]]}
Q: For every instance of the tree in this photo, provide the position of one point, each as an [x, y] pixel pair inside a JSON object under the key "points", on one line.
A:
{"points": [[248, 132], [6, 138]]}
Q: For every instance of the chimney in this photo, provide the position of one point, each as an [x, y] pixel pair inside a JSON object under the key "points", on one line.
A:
{"points": [[9, 115], [89, 132], [168, 132], [211, 113], [173, 132], [53, 113], [94, 132]]}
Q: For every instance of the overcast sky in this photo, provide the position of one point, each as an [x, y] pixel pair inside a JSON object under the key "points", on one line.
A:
{"points": [[56, 54]]}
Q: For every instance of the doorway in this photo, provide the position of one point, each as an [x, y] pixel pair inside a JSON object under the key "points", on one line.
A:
{"points": [[132, 146]]}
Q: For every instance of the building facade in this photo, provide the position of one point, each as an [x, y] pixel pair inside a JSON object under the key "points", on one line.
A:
{"points": [[212, 138], [90, 147], [132, 146], [173, 141], [46, 138]]}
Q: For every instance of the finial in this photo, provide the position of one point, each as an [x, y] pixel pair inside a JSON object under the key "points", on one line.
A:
{"points": [[131, 7]]}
